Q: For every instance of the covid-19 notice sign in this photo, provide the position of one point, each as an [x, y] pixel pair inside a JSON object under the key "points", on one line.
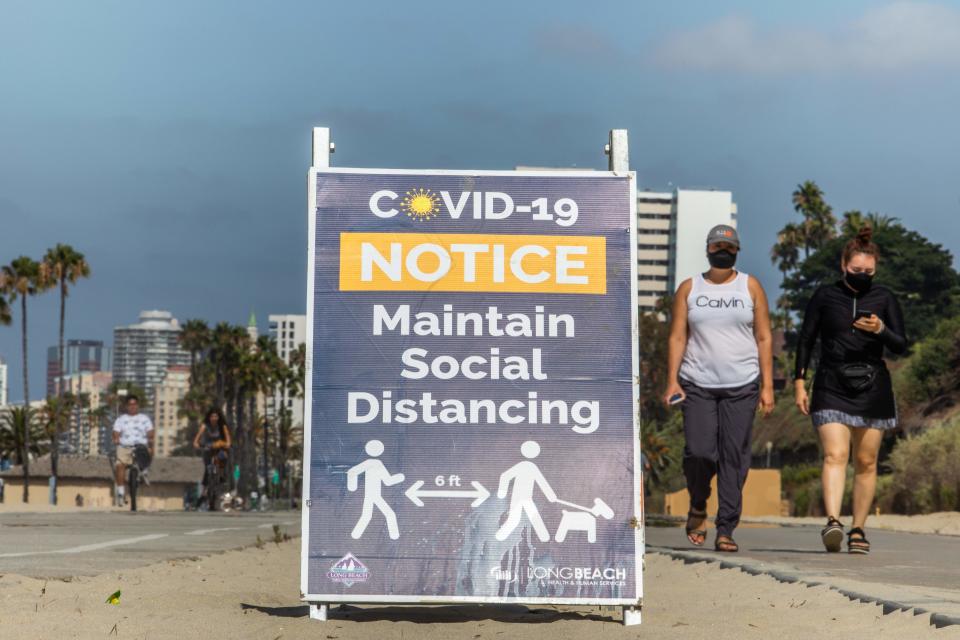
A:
{"points": [[471, 411]]}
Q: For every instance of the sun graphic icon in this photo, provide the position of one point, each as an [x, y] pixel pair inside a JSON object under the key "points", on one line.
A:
{"points": [[421, 204]]}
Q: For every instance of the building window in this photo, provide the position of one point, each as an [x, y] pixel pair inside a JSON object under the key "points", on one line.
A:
{"points": [[654, 278], [654, 263], [651, 247], [654, 200], [654, 216]]}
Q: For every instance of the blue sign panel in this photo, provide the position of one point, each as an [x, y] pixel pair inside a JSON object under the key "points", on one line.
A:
{"points": [[471, 415]]}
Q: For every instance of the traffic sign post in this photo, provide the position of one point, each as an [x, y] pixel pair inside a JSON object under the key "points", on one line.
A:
{"points": [[471, 426]]}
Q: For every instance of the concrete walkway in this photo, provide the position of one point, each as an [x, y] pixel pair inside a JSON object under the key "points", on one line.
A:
{"points": [[61, 545]]}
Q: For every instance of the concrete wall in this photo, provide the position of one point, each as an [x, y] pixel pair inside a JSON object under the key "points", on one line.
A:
{"points": [[164, 496], [761, 496]]}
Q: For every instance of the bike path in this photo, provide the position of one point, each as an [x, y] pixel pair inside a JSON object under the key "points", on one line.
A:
{"points": [[61, 545]]}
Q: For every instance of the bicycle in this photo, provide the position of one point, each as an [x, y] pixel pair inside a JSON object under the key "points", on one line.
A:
{"points": [[215, 478], [136, 472]]}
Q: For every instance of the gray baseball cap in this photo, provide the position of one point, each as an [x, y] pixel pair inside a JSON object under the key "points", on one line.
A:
{"points": [[724, 233]]}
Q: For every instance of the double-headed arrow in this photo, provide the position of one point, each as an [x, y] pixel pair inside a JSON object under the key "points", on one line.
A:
{"points": [[480, 493]]}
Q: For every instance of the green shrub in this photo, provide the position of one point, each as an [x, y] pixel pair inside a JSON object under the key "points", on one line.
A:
{"points": [[931, 370], [926, 471]]}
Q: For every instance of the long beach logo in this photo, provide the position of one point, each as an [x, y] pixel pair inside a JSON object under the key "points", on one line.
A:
{"points": [[348, 570]]}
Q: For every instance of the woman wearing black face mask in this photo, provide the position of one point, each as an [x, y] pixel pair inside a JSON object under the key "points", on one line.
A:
{"points": [[852, 392], [720, 369]]}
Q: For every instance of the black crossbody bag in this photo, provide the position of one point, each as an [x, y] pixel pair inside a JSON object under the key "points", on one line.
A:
{"points": [[857, 376]]}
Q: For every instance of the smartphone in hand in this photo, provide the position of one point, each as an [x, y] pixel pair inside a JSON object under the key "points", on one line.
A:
{"points": [[863, 313], [676, 399]]}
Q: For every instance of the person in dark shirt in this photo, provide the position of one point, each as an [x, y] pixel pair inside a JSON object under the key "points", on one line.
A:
{"points": [[852, 400]]}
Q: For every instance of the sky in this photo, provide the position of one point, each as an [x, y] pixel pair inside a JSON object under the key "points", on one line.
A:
{"points": [[169, 141]]}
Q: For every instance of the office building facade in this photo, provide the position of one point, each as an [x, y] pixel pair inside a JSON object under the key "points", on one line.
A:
{"points": [[143, 352], [169, 426], [289, 331], [4, 382], [78, 355], [86, 433], [671, 232]]}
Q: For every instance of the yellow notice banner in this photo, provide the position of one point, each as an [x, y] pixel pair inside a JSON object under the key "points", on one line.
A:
{"points": [[473, 262]]}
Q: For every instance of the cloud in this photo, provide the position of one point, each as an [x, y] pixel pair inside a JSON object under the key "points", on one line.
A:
{"points": [[902, 36]]}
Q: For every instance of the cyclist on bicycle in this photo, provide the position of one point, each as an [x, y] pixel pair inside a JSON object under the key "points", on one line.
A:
{"points": [[214, 439], [130, 429]]}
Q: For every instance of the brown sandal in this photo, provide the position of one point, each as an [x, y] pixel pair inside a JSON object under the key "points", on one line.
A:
{"points": [[726, 544], [694, 530]]}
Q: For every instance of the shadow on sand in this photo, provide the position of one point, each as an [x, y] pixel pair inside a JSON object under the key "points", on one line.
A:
{"points": [[438, 613]]}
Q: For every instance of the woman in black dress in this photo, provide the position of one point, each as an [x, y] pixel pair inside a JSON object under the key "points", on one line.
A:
{"points": [[852, 392]]}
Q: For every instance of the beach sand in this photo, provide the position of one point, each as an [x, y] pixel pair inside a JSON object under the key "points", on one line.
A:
{"points": [[253, 593]]}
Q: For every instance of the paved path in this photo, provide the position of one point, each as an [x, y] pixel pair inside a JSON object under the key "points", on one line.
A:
{"points": [[54, 545], [908, 570]]}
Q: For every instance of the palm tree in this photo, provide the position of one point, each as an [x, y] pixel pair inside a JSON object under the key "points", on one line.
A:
{"points": [[195, 338], [52, 416], [854, 220], [5, 317], [20, 433], [99, 417], [262, 374], [819, 224], [22, 278], [294, 384], [62, 266], [223, 355], [786, 253]]}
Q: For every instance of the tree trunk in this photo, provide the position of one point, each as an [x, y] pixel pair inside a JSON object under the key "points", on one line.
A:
{"points": [[283, 435], [55, 445], [221, 400], [237, 432], [26, 403], [244, 437], [252, 411]]}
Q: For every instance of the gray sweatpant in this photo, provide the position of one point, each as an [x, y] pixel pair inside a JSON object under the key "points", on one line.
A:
{"points": [[717, 424]]}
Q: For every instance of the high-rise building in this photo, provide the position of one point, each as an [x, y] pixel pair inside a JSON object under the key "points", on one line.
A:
{"points": [[167, 422], [3, 381], [78, 355], [671, 237], [85, 433], [143, 352], [289, 331]]}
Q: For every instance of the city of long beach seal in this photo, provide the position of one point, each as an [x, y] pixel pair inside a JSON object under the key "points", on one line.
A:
{"points": [[348, 570]]}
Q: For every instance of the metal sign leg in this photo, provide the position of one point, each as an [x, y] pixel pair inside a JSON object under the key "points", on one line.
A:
{"points": [[318, 611]]}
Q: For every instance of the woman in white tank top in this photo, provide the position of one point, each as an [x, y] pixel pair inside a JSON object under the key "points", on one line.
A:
{"points": [[720, 369]]}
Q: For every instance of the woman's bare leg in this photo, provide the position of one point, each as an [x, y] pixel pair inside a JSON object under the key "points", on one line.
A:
{"points": [[866, 448], [835, 439]]}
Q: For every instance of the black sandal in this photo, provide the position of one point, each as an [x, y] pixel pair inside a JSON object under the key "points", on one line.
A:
{"points": [[857, 545], [726, 544], [832, 535], [701, 533]]}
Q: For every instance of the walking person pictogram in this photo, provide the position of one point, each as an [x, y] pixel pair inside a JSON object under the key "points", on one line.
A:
{"points": [[376, 477], [525, 476]]}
